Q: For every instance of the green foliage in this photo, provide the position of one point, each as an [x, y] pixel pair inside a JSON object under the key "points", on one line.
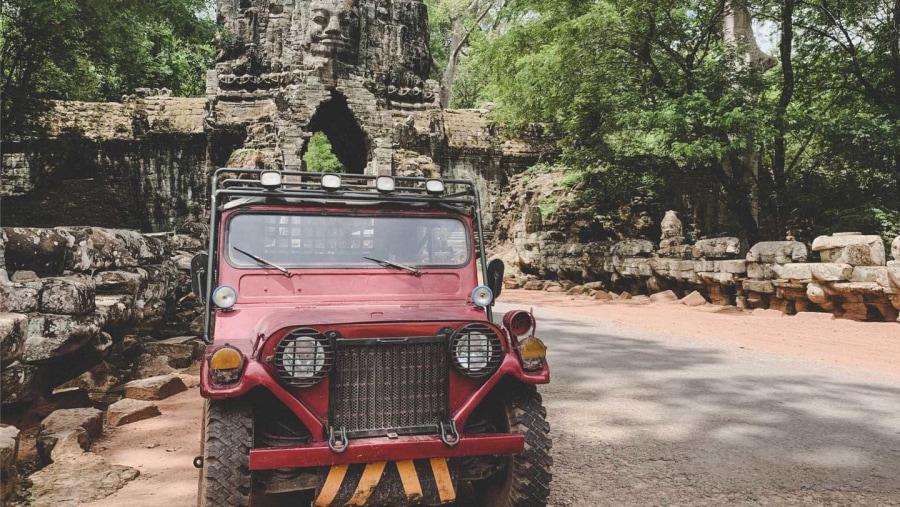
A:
{"points": [[101, 49], [319, 158], [648, 96]]}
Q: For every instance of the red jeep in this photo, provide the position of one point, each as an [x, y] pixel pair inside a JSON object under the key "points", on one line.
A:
{"points": [[353, 358]]}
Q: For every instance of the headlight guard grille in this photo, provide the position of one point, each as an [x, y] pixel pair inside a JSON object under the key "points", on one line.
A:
{"points": [[476, 350], [304, 357]]}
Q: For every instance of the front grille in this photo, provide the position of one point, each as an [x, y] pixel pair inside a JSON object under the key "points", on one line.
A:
{"points": [[379, 388]]}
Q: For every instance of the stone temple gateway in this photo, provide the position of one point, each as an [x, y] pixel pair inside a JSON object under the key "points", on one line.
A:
{"points": [[287, 68], [355, 70]]}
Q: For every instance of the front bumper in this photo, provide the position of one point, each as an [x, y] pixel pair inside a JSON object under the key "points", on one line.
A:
{"points": [[368, 450]]}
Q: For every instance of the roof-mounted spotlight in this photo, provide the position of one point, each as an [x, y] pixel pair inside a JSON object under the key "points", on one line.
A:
{"points": [[270, 180], [434, 187], [331, 182], [385, 184]]}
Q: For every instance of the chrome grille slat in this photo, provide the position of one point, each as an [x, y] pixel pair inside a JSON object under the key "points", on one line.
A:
{"points": [[378, 388]]}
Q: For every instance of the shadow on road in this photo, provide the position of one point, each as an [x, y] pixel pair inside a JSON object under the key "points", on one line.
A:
{"points": [[639, 419]]}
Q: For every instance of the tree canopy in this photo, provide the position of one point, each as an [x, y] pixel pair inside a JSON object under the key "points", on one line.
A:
{"points": [[638, 87], [101, 49]]}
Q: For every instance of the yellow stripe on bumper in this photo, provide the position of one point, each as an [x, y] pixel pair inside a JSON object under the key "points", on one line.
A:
{"points": [[410, 479], [442, 479], [332, 485], [370, 478]]}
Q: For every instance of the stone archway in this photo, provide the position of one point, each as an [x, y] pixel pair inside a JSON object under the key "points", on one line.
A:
{"points": [[349, 142]]}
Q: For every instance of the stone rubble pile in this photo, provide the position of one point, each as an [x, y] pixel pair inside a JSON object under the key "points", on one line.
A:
{"points": [[71, 299], [854, 278]]}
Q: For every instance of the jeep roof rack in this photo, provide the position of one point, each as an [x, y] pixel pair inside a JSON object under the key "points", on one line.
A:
{"points": [[233, 183], [228, 183]]}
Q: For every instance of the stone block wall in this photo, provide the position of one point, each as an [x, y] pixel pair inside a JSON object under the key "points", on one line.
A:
{"points": [[69, 297], [853, 278]]}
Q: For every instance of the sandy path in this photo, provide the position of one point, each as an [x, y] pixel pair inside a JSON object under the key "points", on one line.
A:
{"points": [[163, 449]]}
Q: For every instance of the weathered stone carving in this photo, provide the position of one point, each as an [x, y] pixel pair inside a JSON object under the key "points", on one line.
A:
{"points": [[672, 230]]}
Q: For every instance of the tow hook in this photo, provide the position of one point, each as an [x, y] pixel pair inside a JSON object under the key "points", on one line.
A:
{"points": [[449, 435], [337, 440], [198, 462]]}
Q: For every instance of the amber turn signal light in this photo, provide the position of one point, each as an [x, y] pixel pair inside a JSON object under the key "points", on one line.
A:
{"points": [[225, 365], [533, 352]]}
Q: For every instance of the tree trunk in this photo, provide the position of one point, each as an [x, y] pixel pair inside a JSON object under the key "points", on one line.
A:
{"points": [[787, 94], [737, 32], [458, 37]]}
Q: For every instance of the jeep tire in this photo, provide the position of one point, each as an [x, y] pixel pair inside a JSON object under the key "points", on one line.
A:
{"points": [[525, 480], [226, 439]]}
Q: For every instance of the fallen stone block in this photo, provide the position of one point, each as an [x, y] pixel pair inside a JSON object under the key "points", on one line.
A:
{"points": [[851, 248], [534, 285], [602, 295], [76, 479], [778, 252], [577, 290], [717, 248], [126, 411], [99, 380], [895, 248], [153, 366], [197, 344], [694, 299], [69, 295], [9, 453], [664, 297], [623, 296], [13, 329], [43, 250], [73, 425], [154, 388], [554, 287]]}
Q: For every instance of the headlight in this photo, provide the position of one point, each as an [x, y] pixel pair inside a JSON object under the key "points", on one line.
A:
{"points": [[304, 357], [475, 350], [224, 297], [482, 296], [226, 365]]}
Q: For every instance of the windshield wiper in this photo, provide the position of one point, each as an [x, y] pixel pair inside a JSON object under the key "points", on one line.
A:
{"points": [[263, 261], [390, 264]]}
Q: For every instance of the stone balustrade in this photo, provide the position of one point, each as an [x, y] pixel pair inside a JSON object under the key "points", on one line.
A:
{"points": [[853, 279]]}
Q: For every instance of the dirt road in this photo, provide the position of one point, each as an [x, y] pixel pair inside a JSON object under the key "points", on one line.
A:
{"points": [[660, 405]]}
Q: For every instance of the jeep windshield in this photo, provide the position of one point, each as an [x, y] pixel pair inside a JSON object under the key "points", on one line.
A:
{"points": [[269, 239]]}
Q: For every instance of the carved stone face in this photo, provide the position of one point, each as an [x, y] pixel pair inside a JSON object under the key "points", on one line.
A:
{"points": [[333, 29]]}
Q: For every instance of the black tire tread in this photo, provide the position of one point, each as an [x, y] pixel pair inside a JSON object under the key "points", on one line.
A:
{"points": [[530, 475], [228, 437]]}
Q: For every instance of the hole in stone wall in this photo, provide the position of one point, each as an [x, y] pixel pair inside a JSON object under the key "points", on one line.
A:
{"points": [[348, 141]]}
